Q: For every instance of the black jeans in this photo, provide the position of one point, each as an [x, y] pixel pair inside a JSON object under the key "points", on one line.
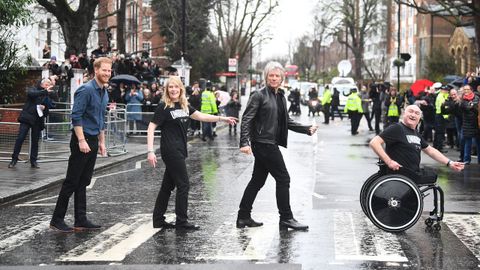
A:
{"points": [[22, 135], [175, 176], [377, 114], [326, 113], [268, 159], [355, 118], [79, 175]]}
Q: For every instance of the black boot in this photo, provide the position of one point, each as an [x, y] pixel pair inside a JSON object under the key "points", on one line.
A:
{"points": [[292, 224], [13, 163], [247, 222]]}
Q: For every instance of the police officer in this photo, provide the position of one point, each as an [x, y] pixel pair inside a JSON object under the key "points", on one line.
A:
{"points": [[326, 102], [440, 119], [393, 103], [354, 110]]}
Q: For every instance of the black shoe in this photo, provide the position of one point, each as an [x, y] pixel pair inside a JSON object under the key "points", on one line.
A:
{"points": [[60, 227], [34, 165], [247, 222], [163, 224], [292, 224], [203, 139], [12, 163], [214, 134], [187, 226], [85, 226]]}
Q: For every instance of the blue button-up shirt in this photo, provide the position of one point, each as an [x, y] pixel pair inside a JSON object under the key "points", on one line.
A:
{"points": [[89, 106]]}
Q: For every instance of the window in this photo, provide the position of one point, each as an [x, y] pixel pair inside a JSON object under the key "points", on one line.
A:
{"points": [[147, 24], [146, 45], [147, 2]]}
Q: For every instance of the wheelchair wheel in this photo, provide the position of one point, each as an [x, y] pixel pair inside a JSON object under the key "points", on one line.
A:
{"points": [[394, 203], [364, 191]]}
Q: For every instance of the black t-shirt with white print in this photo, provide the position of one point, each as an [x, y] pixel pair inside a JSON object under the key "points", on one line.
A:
{"points": [[173, 122], [404, 145]]}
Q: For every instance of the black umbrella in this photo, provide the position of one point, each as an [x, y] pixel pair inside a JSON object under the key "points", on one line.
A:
{"points": [[125, 78]]}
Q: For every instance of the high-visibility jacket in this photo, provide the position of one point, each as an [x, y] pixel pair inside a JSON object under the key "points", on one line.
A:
{"points": [[209, 104], [393, 108], [441, 98], [327, 97], [354, 103]]}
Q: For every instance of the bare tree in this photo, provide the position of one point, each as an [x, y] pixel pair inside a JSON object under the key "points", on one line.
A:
{"points": [[321, 31], [303, 56], [356, 20], [239, 24], [75, 24], [454, 12]]}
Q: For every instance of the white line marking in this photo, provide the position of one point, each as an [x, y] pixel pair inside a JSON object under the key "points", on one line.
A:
{"points": [[249, 244], [115, 243], [466, 228], [366, 243], [94, 179], [314, 194], [34, 204], [24, 235], [138, 164]]}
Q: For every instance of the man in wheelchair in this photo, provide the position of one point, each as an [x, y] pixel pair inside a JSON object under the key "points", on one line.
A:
{"points": [[403, 144], [392, 198]]}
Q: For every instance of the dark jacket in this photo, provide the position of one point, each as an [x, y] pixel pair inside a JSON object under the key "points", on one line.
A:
{"points": [[29, 114], [470, 113], [260, 123]]}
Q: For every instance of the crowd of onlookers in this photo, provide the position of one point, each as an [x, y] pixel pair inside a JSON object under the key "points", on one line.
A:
{"points": [[140, 99]]}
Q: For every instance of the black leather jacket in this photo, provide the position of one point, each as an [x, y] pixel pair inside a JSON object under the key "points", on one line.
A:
{"points": [[260, 123]]}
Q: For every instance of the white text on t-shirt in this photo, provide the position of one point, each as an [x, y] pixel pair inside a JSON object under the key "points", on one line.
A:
{"points": [[178, 113]]}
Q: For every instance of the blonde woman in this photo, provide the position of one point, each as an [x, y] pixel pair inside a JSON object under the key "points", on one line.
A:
{"points": [[172, 115]]}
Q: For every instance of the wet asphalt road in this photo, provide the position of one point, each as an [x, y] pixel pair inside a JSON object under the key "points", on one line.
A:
{"points": [[327, 172]]}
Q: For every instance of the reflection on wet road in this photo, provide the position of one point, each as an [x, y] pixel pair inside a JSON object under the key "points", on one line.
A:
{"points": [[327, 172]]}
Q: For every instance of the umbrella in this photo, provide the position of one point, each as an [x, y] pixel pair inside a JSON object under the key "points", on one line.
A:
{"points": [[125, 78], [452, 78], [419, 86]]}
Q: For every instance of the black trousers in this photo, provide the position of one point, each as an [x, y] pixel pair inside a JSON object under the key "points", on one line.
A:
{"points": [[377, 114], [369, 120], [22, 135], [268, 159], [440, 126], [79, 175], [355, 118], [326, 113], [175, 176]]}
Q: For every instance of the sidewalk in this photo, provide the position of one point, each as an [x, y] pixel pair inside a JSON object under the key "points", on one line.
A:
{"points": [[23, 180]]}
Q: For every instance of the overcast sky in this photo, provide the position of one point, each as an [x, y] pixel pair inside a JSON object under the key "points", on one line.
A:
{"points": [[293, 19]]}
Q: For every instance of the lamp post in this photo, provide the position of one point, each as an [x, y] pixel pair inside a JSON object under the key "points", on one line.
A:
{"points": [[398, 49]]}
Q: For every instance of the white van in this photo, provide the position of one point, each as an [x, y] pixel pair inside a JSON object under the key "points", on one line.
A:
{"points": [[343, 85]]}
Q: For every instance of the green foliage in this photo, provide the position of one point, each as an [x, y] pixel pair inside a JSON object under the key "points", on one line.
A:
{"points": [[202, 52], [439, 64], [10, 66], [14, 13], [398, 62]]}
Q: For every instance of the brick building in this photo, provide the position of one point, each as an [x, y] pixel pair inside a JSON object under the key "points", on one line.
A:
{"points": [[142, 32]]}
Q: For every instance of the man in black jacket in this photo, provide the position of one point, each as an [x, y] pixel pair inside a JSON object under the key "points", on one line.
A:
{"points": [[265, 125], [32, 117]]}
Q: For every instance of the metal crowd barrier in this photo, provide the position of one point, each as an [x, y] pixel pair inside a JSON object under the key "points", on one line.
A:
{"points": [[55, 138]]}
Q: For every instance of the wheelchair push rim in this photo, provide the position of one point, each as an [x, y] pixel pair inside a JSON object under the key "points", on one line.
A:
{"points": [[364, 191], [394, 203]]}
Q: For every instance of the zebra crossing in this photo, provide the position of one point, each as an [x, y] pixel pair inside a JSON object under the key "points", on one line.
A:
{"points": [[352, 238]]}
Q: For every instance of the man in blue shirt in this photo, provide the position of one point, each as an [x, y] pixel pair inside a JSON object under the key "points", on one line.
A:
{"points": [[88, 138]]}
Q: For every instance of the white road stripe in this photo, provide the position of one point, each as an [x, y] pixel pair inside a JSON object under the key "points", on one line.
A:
{"points": [[94, 179], [115, 243], [352, 243], [34, 204], [313, 194], [467, 229], [249, 244], [25, 233]]}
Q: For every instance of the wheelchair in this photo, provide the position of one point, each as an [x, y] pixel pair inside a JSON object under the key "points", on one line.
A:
{"points": [[393, 200]]}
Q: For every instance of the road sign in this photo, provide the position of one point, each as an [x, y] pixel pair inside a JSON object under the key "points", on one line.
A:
{"points": [[232, 64]]}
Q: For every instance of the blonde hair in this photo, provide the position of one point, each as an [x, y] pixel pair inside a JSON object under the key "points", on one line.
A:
{"points": [[182, 99]]}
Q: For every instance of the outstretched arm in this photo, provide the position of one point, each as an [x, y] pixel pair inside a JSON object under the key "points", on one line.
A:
{"points": [[438, 156], [203, 117]]}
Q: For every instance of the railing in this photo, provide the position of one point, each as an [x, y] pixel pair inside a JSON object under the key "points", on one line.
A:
{"points": [[55, 138]]}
